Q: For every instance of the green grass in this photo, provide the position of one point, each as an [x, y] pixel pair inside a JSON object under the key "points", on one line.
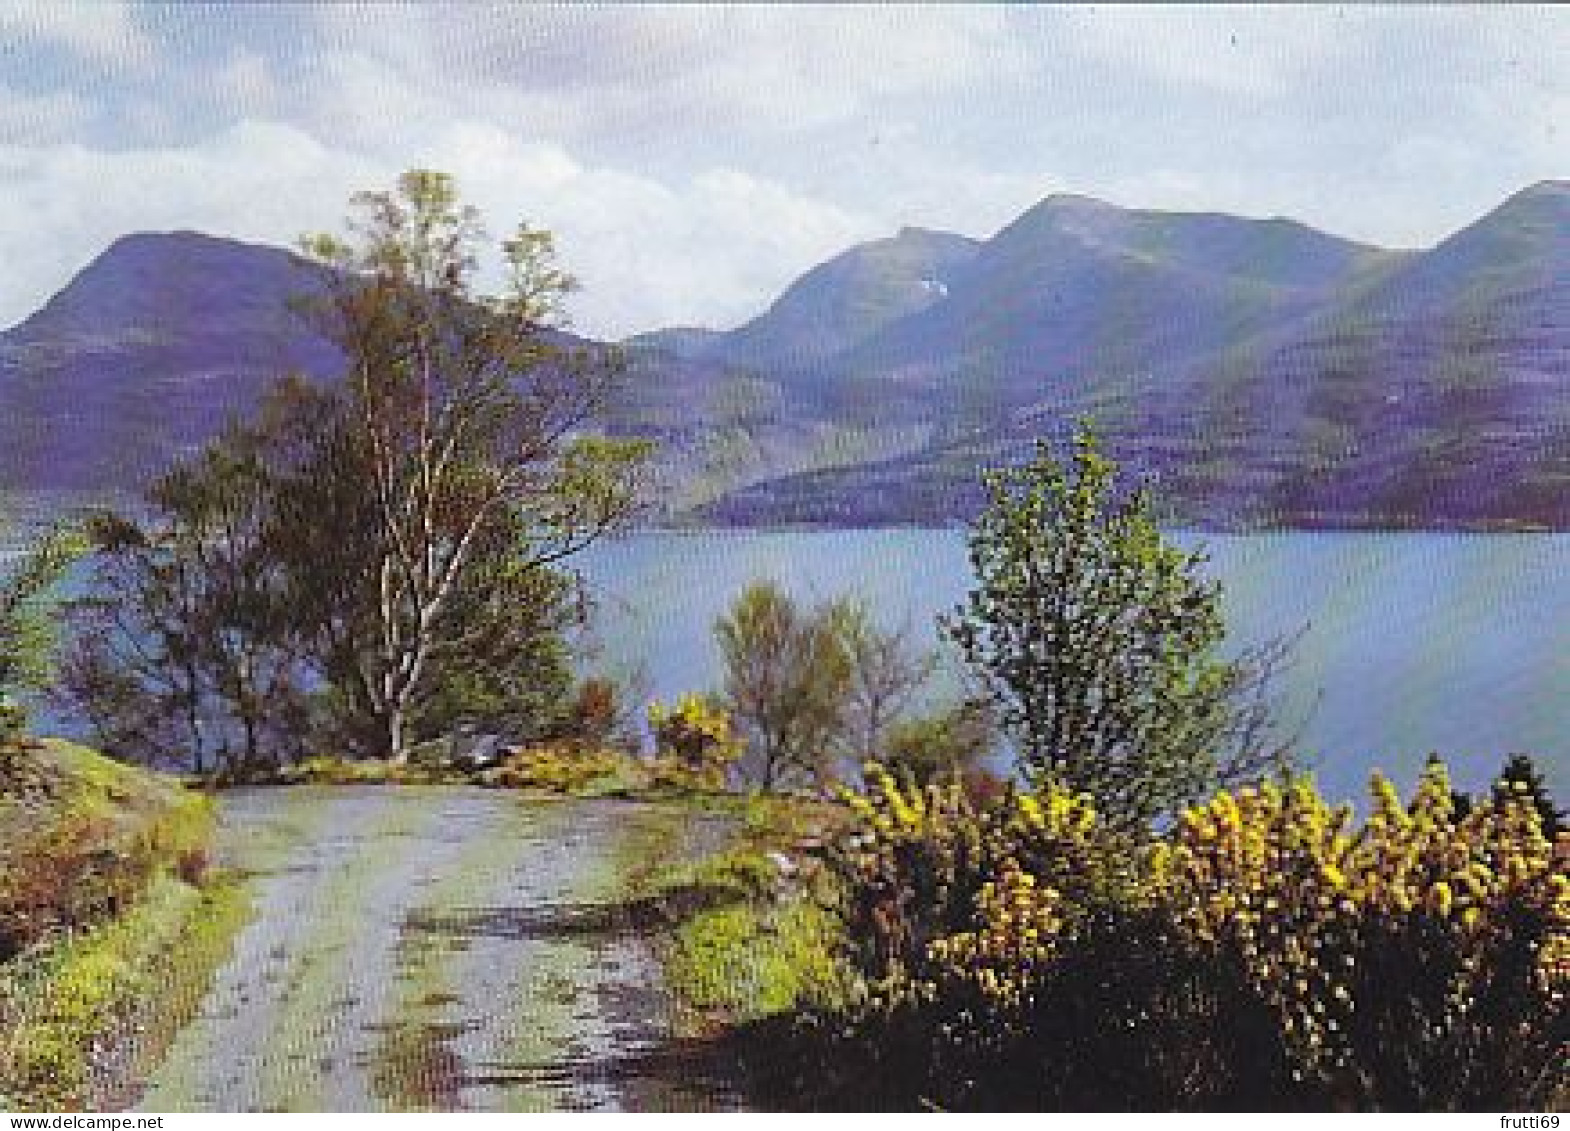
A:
{"points": [[61, 1002], [85, 838], [745, 961], [182, 973], [99, 871], [745, 941]]}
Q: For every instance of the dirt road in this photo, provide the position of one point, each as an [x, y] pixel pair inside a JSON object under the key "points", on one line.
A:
{"points": [[442, 948]]}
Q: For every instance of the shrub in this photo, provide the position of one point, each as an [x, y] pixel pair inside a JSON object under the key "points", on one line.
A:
{"points": [[927, 858], [21, 774], [1520, 777], [27, 622], [564, 768], [787, 682], [955, 740], [597, 712], [694, 742], [1100, 643], [1013, 952], [86, 863], [331, 769], [141, 972], [1419, 962]]}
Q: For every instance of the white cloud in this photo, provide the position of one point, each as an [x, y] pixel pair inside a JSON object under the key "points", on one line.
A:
{"points": [[714, 248], [102, 33], [65, 203], [609, 70], [245, 84], [1238, 49], [693, 159], [31, 119]]}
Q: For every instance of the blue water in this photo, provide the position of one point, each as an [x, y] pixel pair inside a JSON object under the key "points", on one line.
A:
{"points": [[1411, 644]]}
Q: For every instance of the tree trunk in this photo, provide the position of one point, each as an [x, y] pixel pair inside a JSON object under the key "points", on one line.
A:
{"points": [[397, 727]]}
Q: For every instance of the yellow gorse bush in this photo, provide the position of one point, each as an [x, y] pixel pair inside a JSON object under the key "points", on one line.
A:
{"points": [[561, 767], [949, 889], [1280, 881], [694, 740], [1419, 959], [1019, 923]]}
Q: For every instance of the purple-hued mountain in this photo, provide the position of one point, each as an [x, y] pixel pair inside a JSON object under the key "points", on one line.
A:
{"points": [[145, 354], [1264, 373], [837, 305]]}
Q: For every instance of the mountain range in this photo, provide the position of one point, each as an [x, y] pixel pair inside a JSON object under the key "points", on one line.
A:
{"points": [[1259, 372]]}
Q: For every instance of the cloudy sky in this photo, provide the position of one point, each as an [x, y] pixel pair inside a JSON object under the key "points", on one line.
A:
{"points": [[694, 159]]}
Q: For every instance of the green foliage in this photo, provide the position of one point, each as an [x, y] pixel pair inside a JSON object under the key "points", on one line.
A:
{"points": [[57, 1004], [567, 768], [924, 858], [27, 624], [1098, 640], [1015, 952], [1420, 962], [97, 888], [373, 563], [465, 430], [748, 934], [185, 649], [887, 675], [327, 769], [786, 678], [951, 742], [71, 999], [746, 960], [1521, 779], [88, 848], [694, 743], [816, 691], [509, 670]]}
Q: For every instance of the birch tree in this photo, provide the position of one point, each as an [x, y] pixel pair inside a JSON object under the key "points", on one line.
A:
{"points": [[1100, 643], [464, 413]]}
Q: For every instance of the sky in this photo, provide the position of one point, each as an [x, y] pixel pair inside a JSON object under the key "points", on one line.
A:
{"points": [[694, 159]]}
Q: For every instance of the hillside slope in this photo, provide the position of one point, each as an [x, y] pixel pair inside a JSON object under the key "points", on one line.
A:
{"points": [[1264, 372], [1426, 389]]}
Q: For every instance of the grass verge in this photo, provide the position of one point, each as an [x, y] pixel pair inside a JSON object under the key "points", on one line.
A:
{"points": [[109, 923], [748, 934], [83, 838], [85, 1013]]}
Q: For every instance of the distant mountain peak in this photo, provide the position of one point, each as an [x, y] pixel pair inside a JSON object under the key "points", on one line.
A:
{"points": [[1531, 227], [146, 280], [927, 237], [1076, 202], [184, 242], [1268, 371], [178, 235], [1069, 212], [1553, 189], [1544, 199]]}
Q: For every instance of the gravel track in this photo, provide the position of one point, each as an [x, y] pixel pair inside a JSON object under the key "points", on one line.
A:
{"points": [[441, 948]]}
